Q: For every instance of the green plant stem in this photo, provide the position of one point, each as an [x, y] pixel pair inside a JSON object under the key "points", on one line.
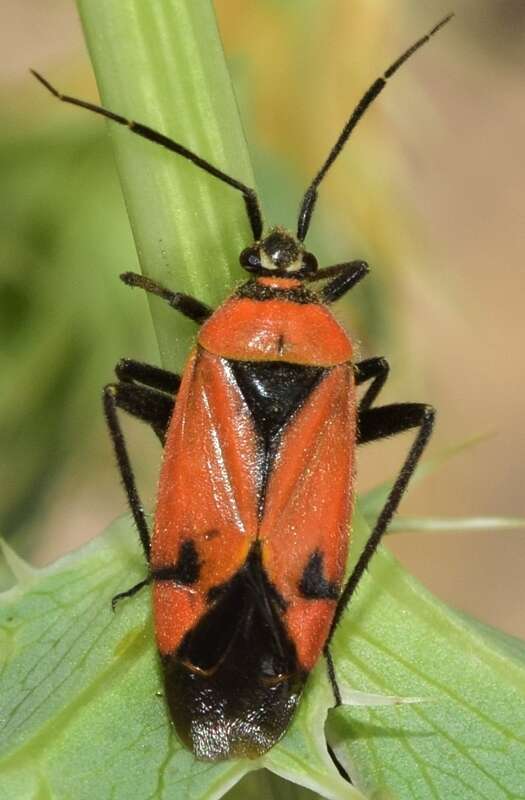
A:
{"points": [[162, 64]]}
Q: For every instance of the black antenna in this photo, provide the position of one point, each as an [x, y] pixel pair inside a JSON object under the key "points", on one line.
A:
{"points": [[310, 197], [250, 197]]}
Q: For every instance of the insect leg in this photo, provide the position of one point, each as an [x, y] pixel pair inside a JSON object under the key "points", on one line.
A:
{"points": [[332, 677], [147, 404], [374, 369], [375, 424], [131, 371], [187, 305], [129, 592], [344, 277]]}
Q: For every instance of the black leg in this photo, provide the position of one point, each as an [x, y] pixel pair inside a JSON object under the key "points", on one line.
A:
{"points": [[124, 465], [131, 371], [147, 404], [337, 764], [376, 370], [130, 592], [187, 305], [374, 424], [250, 198], [111, 397], [332, 677], [344, 277], [166, 574]]}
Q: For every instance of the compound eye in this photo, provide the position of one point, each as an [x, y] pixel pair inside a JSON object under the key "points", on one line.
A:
{"points": [[310, 264], [249, 259]]}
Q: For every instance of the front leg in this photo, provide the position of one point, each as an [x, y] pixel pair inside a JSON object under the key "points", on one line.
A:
{"points": [[344, 277], [185, 303]]}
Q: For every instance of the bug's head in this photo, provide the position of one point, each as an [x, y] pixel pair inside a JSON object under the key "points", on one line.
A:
{"points": [[280, 254]]}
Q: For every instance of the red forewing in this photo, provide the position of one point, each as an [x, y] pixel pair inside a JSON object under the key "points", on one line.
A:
{"points": [[208, 493], [304, 530]]}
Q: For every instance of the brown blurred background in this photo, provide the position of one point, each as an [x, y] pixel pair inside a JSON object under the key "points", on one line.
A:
{"points": [[429, 191]]}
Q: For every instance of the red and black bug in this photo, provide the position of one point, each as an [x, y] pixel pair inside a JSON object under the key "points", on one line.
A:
{"points": [[249, 545]]}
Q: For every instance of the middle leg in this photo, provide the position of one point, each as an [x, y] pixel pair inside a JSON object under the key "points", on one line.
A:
{"points": [[147, 393]]}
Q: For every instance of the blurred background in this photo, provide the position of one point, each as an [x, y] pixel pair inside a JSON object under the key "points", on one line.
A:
{"points": [[429, 192]]}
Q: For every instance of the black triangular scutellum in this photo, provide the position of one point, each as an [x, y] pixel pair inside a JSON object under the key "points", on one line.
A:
{"points": [[273, 391]]}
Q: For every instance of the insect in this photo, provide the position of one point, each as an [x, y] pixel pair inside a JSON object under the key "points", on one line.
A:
{"points": [[249, 545]]}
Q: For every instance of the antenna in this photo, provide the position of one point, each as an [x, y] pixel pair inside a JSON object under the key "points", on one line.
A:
{"points": [[310, 196], [250, 198]]}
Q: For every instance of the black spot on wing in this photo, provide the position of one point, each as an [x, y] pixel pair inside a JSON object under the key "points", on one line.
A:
{"points": [[313, 584], [187, 569]]}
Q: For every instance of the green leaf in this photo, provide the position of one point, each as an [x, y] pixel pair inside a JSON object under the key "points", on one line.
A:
{"points": [[82, 713], [469, 742], [264, 784], [301, 756], [81, 704]]}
